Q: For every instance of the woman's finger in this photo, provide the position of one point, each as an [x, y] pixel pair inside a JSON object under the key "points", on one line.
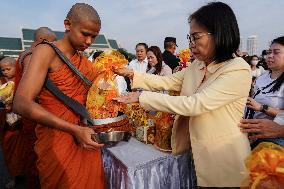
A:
{"points": [[257, 136], [250, 106], [117, 98], [252, 121], [249, 126], [242, 125], [251, 130], [250, 99]]}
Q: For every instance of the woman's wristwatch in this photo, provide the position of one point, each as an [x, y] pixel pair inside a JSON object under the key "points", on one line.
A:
{"points": [[264, 108]]}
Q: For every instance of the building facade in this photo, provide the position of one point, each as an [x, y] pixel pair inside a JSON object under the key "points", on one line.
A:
{"points": [[241, 48], [252, 45], [14, 46], [10, 46]]}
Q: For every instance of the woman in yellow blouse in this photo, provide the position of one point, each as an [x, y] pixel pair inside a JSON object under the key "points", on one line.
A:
{"points": [[213, 93]]}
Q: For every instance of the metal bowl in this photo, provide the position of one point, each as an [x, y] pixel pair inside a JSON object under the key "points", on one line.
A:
{"points": [[111, 137]]}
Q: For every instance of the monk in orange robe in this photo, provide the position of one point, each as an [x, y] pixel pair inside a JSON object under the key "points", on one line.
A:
{"points": [[28, 126], [67, 155], [12, 141]]}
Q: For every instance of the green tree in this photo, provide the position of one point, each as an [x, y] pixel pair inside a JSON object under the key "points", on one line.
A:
{"points": [[128, 56]]}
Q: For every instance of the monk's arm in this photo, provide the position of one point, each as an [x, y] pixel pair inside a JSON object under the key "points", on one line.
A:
{"points": [[30, 86]]}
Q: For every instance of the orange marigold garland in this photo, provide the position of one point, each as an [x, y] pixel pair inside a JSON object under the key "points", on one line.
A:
{"points": [[184, 56]]}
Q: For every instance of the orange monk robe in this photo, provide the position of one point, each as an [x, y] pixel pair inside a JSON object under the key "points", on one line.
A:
{"points": [[61, 162], [29, 156], [13, 151], [19, 69], [14, 148]]}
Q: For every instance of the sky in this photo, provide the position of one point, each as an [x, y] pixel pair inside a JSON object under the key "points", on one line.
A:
{"points": [[150, 21]]}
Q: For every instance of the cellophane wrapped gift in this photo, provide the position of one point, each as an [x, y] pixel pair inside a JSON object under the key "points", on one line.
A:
{"points": [[145, 134], [164, 124], [266, 167], [6, 95], [100, 103], [143, 122], [137, 115], [151, 126]]}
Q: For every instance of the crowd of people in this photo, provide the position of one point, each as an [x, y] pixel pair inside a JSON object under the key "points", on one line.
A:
{"points": [[227, 104]]}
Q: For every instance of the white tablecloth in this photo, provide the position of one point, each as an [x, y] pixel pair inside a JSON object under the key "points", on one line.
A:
{"points": [[135, 165]]}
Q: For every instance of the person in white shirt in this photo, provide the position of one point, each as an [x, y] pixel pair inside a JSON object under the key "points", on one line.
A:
{"points": [[263, 95], [141, 62], [256, 71], [121, 84], [268, 98]]}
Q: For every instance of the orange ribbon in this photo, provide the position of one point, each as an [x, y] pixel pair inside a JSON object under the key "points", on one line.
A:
{"points": [[266, 166]]}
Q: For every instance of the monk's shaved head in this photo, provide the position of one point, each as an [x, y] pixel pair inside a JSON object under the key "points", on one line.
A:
{"points": [[82, 11], [8, 60], [44, 33]]}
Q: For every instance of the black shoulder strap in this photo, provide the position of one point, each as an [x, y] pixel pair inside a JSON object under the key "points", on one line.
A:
{"points": [[71, 103], [23, 56]]}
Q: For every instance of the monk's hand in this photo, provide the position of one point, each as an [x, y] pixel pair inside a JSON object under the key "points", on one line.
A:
{"points": [[261, 128], [128, 98], [251, 103], [124, 72], [84, 138]]}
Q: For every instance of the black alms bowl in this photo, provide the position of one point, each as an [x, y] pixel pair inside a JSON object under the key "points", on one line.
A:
{"points": [[111, 137]]}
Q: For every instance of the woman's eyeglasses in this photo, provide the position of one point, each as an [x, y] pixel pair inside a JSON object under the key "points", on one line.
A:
{"points": [[195, 36], [273, 52]]}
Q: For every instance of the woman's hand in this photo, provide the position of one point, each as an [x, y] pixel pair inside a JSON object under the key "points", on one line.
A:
{"points": [[251, 103], [128, 97], [177, 69], [84, 138], [124, 72], [103, 85], [262, 128]]}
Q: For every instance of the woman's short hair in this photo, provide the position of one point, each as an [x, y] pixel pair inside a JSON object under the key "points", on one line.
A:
{"points": [[280, 79], [157, 52], [219, 19]]}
